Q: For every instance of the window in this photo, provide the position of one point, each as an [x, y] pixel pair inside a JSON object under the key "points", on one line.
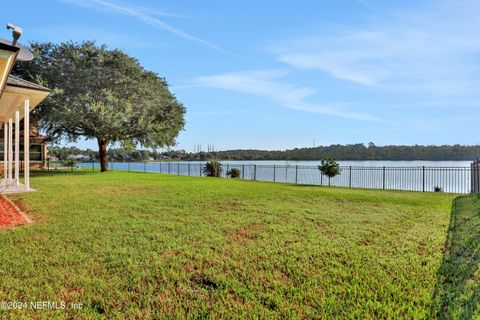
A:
{"points": [[35, 152]]}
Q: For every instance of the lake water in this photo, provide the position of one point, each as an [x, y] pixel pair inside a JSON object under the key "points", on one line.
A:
{"points": [[450, 176], [360, 163], [356, 163]]}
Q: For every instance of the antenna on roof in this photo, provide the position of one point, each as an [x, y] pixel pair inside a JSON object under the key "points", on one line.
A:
{"points": [[17, 32]]}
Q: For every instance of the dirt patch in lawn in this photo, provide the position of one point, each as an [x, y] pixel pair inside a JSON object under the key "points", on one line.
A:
{"points": [[10, 214], [250, 232]]}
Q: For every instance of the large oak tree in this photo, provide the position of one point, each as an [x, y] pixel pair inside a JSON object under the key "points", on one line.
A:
{"points": [[101, 94]]}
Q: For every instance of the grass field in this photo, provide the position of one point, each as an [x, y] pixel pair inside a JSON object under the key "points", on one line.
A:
{"points": [[457, 292], [145, 246]]}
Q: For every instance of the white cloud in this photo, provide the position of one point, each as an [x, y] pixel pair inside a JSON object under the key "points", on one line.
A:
{"points": [[260, 83], [267, 84], [218, 112], [79, 32], [143, 17], [432, 50]]}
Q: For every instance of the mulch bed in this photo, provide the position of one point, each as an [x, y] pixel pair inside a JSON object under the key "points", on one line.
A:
{"points": [[10, 214]]}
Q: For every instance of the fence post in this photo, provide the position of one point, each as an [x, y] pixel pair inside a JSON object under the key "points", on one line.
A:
{"points": [[321, 178], [189, 168], [384, 177], [48, 165], [144, 167], [200, 171], [477, 177], [93, 165], [350, 178], [178, 168], [296, 174], [169, 164], [255, 172], [227, 168], [423, 179], [274, 173], [474, 177], [128, 166], [471, 178], [243, 172], [73, 164]]}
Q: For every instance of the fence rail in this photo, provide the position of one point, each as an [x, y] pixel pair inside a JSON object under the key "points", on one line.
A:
{"points": [[423, 179]]}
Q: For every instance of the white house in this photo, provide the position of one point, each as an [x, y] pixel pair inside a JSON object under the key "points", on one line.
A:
{"points": [[80, 157], [17, 98]]}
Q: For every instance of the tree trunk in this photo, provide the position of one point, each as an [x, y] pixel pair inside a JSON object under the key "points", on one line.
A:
{"points": [[102, 150]]}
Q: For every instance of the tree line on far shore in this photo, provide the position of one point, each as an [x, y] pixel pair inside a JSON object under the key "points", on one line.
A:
{"points": [[341, 152], [359, 151]]}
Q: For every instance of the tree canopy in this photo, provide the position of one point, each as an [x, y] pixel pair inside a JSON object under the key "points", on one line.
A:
{"points": [[329, 167], [101, 94]]}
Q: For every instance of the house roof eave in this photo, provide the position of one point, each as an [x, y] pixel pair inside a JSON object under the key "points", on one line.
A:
{"points": [[13, 81]]}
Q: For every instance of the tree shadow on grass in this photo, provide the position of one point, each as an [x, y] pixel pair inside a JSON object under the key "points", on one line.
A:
{"points": [[457, 290], [53, 173]]}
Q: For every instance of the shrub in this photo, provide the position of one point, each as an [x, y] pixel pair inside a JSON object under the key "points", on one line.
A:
{"points": [[233, 173], [329, 167], [437, 189], [212, 168]]}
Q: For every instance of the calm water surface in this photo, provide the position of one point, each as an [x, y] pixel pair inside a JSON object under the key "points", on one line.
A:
{"points": [[363, 163]]}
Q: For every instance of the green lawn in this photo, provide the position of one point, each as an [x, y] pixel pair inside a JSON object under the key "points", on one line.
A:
{"points": [[142, 246], [457, 292]]}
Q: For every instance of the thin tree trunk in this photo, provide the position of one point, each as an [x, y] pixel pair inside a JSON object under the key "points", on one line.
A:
{"points": [[102, 150]]}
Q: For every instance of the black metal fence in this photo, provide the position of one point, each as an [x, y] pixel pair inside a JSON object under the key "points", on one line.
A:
{"points": [[423, 179], [475, 181]]}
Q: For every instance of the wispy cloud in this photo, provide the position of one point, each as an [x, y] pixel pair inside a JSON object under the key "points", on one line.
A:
{"points": [[161, 13], [438, 104], [430, 50], [79, 32], [218, 112], [267, 84], [148, 19]]}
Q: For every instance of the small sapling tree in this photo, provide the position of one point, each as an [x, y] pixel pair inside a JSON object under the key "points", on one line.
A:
{"points": [[329, 167]]}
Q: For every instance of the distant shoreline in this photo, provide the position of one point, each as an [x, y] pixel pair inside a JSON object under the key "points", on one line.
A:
{"points": [[350, 152]]}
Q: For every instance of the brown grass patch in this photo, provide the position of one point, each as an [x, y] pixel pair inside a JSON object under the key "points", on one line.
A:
{"points": [[247, 233]]}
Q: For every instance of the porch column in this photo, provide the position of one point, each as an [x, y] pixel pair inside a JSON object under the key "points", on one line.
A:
{"points": [[10, 147], [26, 143], [44, 155], [17, 147], [5, 150]]}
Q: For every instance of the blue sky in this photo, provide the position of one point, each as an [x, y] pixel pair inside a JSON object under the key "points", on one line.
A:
{"points": [[279, 74]]}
